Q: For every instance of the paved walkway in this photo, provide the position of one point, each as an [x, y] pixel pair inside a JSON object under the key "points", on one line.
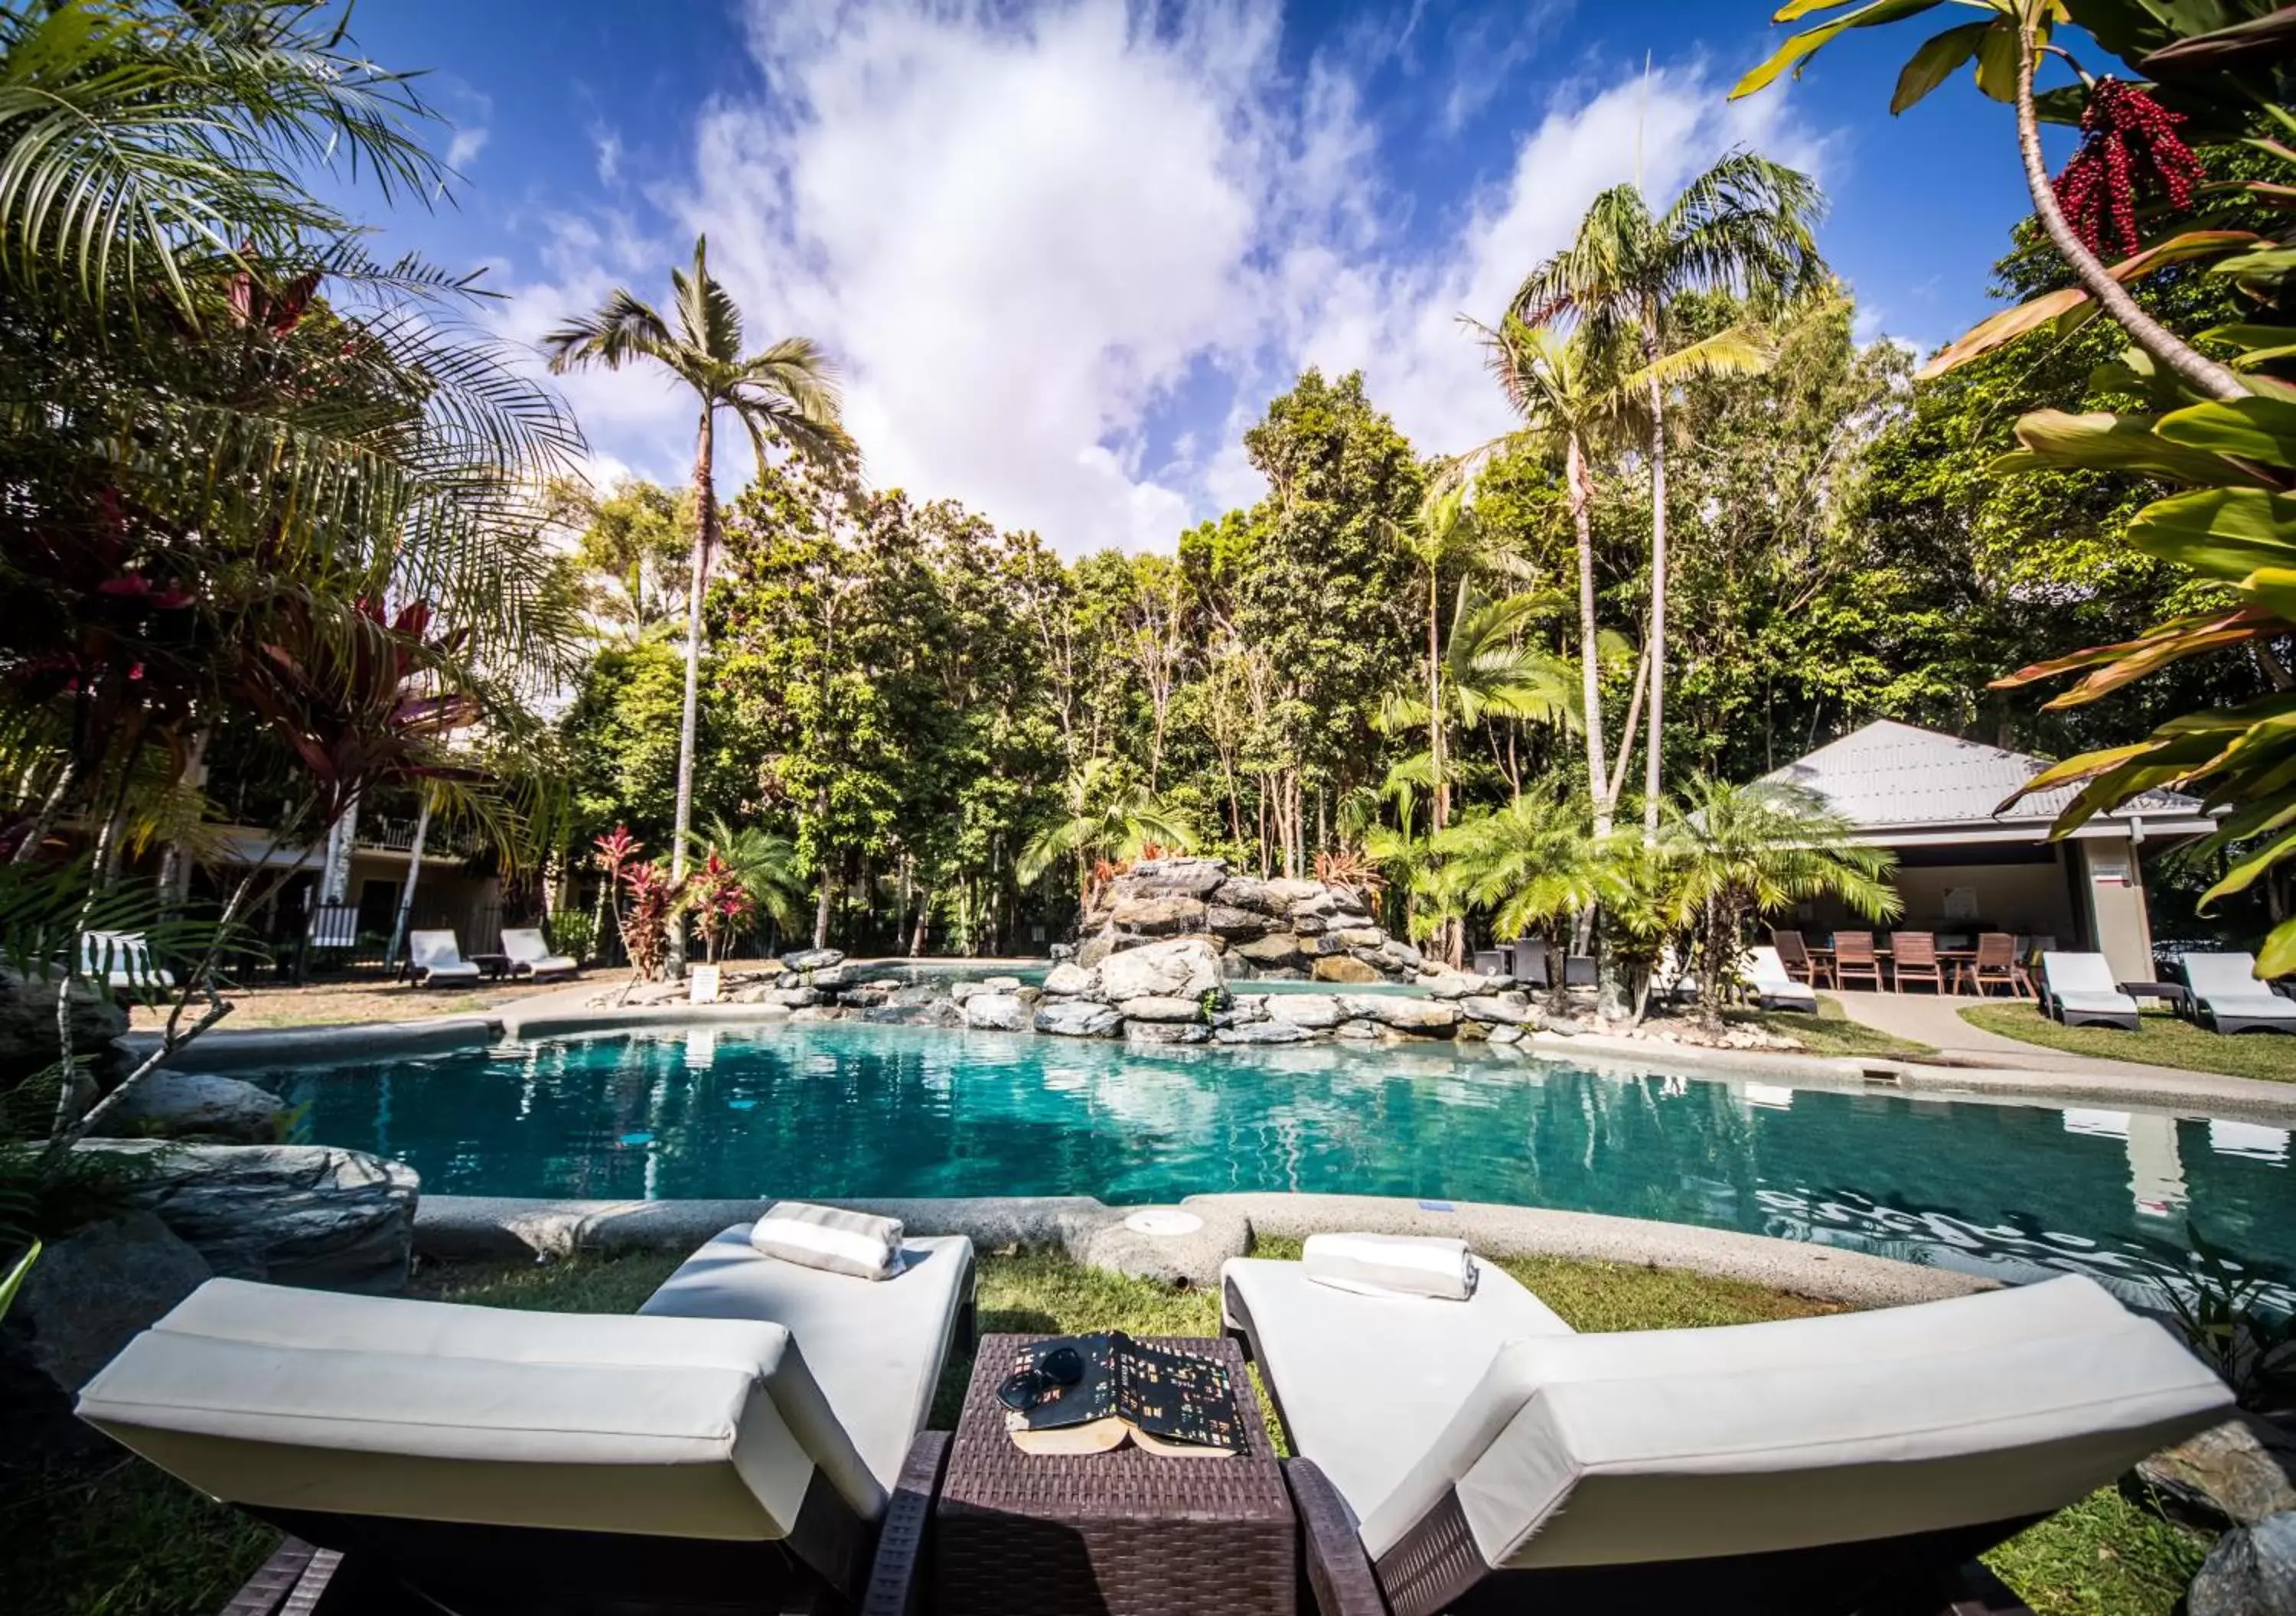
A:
{"points": [[1928, 1018]]}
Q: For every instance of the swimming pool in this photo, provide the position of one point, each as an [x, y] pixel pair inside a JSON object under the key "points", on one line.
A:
{"points": [[847, 1109]]}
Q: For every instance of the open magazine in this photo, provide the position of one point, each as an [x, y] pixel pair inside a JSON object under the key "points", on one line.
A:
{"points": [[1089, 1393]]}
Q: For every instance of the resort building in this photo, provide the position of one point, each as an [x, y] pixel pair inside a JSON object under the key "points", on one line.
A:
{"points": [[1966, 864]]}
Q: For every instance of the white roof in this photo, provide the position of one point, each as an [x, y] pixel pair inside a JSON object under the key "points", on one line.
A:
{"points": [[1903, 784]]}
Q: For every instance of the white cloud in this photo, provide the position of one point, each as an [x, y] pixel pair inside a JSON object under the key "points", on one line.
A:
{"points": [[1064, 258], [607, 146], [464, 148]]}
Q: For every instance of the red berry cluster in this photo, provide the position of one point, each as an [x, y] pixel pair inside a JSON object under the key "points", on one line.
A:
{"points": [[2128, 145]]}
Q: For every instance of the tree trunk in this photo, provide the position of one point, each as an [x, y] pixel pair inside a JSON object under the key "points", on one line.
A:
{"points": [[924, 913], [2202, 374], [1654, 776], [414, 874], [36, 834], [705, 503], [1590, 667]]}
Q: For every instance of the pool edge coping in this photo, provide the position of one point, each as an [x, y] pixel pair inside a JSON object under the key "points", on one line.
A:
{"points": [[461, 1227]]}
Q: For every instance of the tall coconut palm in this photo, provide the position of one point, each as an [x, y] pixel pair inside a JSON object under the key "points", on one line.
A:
{"points": [[1106, 816], [1573, 398], [1744, 226], [783, 394]]}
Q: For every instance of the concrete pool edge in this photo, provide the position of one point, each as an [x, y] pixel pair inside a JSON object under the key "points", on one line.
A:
{"points": [[2195, 1094], [460, 1227]]}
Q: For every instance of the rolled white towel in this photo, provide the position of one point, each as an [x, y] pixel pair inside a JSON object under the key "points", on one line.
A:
{"points": [[1392, 1265], [826, 1237]]}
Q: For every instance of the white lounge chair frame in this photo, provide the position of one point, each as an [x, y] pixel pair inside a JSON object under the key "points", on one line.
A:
{"points": [[437, 956], [529, 954], [2227, 997], [2078, 990], [1774, 988], [122, 959]]}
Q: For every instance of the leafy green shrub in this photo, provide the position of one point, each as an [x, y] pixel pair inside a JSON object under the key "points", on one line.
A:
{"points": [[571, 933]]}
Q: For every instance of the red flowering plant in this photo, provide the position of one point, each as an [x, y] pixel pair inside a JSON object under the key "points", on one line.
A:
{"points": [[653, 902], [721, 902], [2130, 152]]}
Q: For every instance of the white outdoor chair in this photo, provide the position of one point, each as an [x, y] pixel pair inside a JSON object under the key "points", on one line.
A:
{"points": [[436, 957], [530, 955], [1765, 974], [1481, 1455], [2227, 997], [122, 960], [2079, 990], [735, 1455]]}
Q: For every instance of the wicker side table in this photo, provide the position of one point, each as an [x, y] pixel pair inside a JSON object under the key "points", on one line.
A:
{"points": [[1019, 1534]]}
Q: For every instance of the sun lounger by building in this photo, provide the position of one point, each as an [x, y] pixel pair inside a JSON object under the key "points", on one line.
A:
{"points": [[2227, 996], [437, 956], [1766, 977], [2079, 990], [1490, 1459], [730, 1449], [530, 955], [122, 959]]}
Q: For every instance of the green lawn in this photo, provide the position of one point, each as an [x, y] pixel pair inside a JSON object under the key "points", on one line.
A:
{"points": [[121, 1539], [2162, 1039], [1831, 1031]]}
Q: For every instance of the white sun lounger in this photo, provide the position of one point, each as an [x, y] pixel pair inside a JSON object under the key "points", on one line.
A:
{"points": [[122, 960], [2227, 996], [1842, 1457], [436, 957], [2079, 989], [728, 1457], [530, 955], [1774, 989]]}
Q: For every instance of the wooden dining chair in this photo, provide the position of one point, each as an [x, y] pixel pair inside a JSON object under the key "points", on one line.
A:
{"points": [[1914, 955], [1996, 962], [1795, 954], [1853, 955]]}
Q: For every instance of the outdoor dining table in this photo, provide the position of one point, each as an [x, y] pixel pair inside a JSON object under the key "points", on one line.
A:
{"points": [[1956, 963]]}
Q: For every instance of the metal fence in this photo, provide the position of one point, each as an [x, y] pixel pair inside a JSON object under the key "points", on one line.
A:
{"points": [[337, 939]]}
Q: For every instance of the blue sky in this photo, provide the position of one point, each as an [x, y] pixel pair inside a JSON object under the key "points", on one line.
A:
{"points": [[1064, 253]]}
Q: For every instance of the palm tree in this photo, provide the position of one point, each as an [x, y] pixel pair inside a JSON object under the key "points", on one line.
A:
{"points": [[1107, 816], [765, 863], [1740, 852], [1746, 227], [784, 394], [1484, 672], [1571, 397]]}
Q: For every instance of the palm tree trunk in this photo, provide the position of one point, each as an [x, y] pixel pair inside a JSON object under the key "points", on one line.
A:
{"points": [[705, 503], [1590, 671], [1435, 700], [2202, 374], [1653, 778]]}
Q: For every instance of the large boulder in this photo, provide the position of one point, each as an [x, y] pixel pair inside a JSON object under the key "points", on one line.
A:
{"points": [[1511, 1010], [1157, 1007], [292, 1214], [813, 959], [1222, 921], [1076, 1018], [2252, 1571], [199, 1106], [1263, 1033], [1068, 980], [1196, 878], [1320, 1012], [1341, 967], [996, 1013], [1241, 892], [1345, 939], [27, 1025], [1156, 917], [1279, 950], [1183, 967], [2236, 1474], [1291, 890], [1403, 1012], [1162, 1032], [935, 1013], [92, 1292]]}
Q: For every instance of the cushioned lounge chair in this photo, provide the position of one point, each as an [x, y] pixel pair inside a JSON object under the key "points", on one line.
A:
{"points": [[1766, 977], [436, 957], [530, 955], [1487, 1459], [2078, 990], [731, 1449], [122, 959], [2227, 996]]}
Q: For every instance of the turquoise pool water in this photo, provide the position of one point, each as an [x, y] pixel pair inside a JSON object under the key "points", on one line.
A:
{"points": [[843, 1109]]}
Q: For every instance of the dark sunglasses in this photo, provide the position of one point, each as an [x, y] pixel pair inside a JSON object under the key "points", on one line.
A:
{"points": [[1059, 1369]]}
